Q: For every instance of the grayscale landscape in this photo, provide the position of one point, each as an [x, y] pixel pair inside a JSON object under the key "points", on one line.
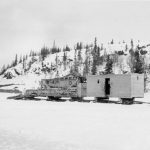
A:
{"points": [[74, 75]]}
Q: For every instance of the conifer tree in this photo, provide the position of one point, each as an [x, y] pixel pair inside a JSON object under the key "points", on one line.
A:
{"points": [[95, 45], [75, 68], [15, 61], [79, 46], [20, 61], [44, 52], [126, 47], [65, 60], [86, 68], [112, 41], [132, 58], [3, 69], [95, 58], [132, 45], [138, 65], [79, 56], [109, 65], [67, 48], [94, 66], [24, 63]]}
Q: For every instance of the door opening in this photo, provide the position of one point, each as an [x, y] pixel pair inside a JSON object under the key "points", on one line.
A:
{"points": [[107, 86]]}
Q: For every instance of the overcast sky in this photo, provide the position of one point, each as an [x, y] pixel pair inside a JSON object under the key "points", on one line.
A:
{"points": [[30, 24]]}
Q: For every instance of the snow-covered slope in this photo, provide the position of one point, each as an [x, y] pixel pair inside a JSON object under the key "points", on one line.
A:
{"points": [[27, 74]]}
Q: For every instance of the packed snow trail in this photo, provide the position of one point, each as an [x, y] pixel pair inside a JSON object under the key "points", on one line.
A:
{"points": [[44, 125]]}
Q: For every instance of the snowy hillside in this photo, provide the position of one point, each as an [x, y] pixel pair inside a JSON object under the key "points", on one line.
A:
{"points": [[28, 72]]}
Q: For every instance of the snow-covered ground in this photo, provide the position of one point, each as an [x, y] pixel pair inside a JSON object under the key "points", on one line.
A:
{"points": [[45, 125]]}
